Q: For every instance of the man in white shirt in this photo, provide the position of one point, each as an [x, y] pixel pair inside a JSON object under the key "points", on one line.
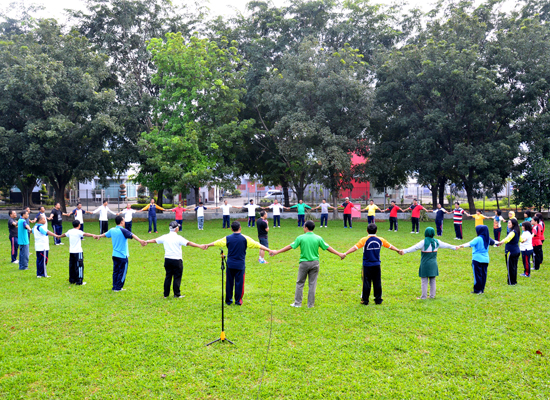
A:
{"points": [[42, 246], [277, 208], [251, 213], [173, 263], [200, 215], [76, 256], [103, 217], [226, 208], [78, 214], [128, 214]]}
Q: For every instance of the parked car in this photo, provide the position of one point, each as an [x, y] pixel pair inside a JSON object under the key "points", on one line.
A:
{"points": [[273, 194]]}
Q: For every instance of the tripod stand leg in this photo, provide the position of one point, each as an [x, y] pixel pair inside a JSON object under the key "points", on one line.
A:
{"points": [[217, 340]]}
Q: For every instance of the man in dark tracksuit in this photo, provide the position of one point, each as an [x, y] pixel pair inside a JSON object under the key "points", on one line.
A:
{"points": [[439, 217], [13, 229], [236, 244]]}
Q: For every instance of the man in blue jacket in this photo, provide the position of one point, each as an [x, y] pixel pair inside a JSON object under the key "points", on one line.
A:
{"points": [[236, 244]]}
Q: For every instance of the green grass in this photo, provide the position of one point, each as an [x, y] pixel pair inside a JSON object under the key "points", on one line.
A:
{"points": [[66, 342], [491, 205]]}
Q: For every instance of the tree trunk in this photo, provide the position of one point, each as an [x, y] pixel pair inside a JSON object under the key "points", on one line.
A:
{"points": [[284, 184], [496, 197], [434, 189], [160, 195], [196, 190], [286, 196], [335, 204], [59, 188], [471, 202], [442, 182], [26, 185]]}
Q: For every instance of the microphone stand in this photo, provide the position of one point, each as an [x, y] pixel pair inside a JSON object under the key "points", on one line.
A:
{"points": [[222, 337]]}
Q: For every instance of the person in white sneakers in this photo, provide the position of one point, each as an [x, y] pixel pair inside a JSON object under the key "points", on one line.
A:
{"points": [[76, 255], [104, 212], [324, 206], [128, 214], [78, 214], [277, 208], [173, 263], [263, 229], [226, 209], [251, 207], [42, 246]]}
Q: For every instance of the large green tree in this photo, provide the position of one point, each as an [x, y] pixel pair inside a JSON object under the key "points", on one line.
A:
{"points": [[52, 99], [197, 134], [444, 107], [122, 29], [318, 104]]}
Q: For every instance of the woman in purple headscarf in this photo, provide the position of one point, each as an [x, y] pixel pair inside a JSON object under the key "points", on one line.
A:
{"points": [[480, 257]]}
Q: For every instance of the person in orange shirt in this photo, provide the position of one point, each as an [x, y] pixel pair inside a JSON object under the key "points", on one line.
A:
{"points": [[372, 274], [152, 208]]}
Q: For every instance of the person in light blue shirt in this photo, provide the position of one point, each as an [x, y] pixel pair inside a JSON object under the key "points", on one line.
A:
{"points": [[119, 236], [480, 257], [23, 229]]}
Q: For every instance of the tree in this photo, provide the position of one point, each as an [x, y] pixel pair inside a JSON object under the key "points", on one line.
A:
{"points": [[121, 29], [267, 34], [196, 128], [532, 185], [443, 96], [318, 110], [52, 98]]}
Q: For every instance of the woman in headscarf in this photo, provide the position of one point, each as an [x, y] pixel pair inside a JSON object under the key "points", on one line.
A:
{"points": [[428, 260], [511, 251], [480, 257]]}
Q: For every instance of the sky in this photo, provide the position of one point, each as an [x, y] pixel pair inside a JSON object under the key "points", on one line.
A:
{"points": [[55, 8], [218, 7]]}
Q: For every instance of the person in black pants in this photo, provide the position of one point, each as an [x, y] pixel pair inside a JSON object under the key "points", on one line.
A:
{"points": [[57, 222], [237, 244], [511, 251], [14, 232], [173, 262], [439, 218]]}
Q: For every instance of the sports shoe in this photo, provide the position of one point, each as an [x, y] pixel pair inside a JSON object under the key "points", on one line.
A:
{"points": [[15, 262], [395, 230], [83, 283], [263, 262], [181, 296], [417, 233], [525, 275], [412, 232], [116, 290], [389, 230], [294, 305]]}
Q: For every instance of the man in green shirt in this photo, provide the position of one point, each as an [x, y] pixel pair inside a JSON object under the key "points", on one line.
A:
{"points": [[309, 244], [301, 211]]}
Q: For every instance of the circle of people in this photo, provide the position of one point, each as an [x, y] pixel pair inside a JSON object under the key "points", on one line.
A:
{"points": [[526, 243]]}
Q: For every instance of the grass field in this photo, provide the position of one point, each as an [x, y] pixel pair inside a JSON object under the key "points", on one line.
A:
{"points": [[65, 342]]}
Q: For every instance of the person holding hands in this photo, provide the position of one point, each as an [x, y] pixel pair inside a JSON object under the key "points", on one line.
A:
{"points": [[309, 244], [371, 211], [372, 274]]}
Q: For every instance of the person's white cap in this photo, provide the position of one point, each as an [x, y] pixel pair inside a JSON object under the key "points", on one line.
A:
{"points": [[347, 198]]}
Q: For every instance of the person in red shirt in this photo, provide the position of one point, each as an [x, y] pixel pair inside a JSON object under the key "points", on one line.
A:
{"points": [[537, 243], [415, 217], [179, 210], [347, 212], [393, 215]]}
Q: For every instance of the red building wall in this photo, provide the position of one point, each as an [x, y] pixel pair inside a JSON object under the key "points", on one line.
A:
{"points": [[360, 189]]}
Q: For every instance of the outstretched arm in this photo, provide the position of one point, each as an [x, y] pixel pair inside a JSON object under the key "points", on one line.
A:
{"points": [[283, 250], [337, 253]]}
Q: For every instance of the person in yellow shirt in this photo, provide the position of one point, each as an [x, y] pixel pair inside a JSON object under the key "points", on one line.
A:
{"points": [[371, 211], [152, 209], [479, 217]]}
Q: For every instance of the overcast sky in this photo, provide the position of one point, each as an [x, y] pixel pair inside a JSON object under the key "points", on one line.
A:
{"points": [[220, 7], [55, 8]]}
